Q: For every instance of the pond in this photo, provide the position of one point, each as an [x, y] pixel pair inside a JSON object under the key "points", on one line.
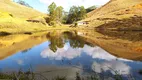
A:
{"points": [[64, 53]]}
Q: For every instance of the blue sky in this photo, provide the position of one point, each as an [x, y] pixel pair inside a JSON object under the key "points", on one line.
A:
{"points": [[41, 5]]}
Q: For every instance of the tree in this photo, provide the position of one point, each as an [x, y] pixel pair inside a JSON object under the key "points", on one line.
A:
{"points": [[73, 14], [76, 14], [55, 13], [90, 9], [65, 17], [23, 3], [59, 13], [82, 13], [52, 8]]}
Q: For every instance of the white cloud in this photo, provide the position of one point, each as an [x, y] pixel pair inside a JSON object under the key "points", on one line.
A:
{"points": [[68, 3]]}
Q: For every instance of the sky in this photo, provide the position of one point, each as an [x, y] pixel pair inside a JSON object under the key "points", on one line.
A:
{"points": [[41, 5]]}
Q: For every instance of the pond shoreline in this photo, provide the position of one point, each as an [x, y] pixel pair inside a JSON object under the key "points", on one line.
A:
{"points": [[4, 33]]}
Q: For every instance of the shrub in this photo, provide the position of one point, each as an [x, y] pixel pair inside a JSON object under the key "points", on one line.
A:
{"points": [[29, 33], [52, 23], [11, 15], [4, 33], [47, 19], [75, 24]]}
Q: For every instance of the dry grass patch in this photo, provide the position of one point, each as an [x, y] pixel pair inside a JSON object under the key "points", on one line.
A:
{"points": [[119, 9]]}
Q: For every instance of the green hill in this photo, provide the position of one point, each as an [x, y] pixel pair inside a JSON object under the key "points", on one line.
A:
{"points": [[13, 18], [18, 10]]}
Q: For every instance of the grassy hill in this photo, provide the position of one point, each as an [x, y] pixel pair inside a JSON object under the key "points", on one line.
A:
{"points": [[13, 18], [114, 10], [18, 10]]}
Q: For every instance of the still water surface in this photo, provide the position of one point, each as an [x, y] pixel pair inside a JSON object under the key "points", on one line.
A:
{"points": [[66, 54]]}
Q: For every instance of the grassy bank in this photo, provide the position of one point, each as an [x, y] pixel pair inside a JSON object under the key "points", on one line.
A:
{"points": [[14, 25]]}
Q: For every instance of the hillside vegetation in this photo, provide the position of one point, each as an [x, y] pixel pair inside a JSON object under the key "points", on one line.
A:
{"points": [[114, 10], [13, 18], [91, 9]]}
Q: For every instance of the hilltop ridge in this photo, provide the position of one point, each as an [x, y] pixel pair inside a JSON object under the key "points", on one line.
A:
{"points": [[114, 10]]}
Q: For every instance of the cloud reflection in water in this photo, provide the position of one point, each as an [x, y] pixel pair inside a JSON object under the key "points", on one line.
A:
{"points": [[110, 62], [118, 66], [65, 52], [70, 53]]}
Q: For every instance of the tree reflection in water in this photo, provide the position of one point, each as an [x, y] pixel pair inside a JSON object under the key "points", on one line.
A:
{"points": [[59, 40]]}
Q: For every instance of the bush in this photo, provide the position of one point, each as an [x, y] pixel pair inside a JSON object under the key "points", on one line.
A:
{"points": [[11, 15], [29, 33], [47, 19], [75, 24], [4, 33], [52, 23]]}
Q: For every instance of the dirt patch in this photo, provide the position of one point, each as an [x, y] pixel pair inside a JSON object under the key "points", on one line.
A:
{"points": [[1, 44], [139, 49], [139, 6]]}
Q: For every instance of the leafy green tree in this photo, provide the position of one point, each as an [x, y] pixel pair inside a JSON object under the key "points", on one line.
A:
{"points": [[65, 17], [82, 13], [52, 8], [55, 13], [52, 11], [73, 14], [90, 9], [59, 13], [76, 14]]}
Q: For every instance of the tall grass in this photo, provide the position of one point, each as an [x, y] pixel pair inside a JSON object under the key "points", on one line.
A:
{"points": [[30, 75]]}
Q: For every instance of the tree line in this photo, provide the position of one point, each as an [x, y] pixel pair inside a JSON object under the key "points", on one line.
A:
{"points": [[22, 2], [58, 15]]}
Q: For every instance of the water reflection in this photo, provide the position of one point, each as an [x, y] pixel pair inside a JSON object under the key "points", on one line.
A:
{"points": [[58, 41], [12, 44], [126, 35], [113, 66], [68, 53], [67, 45]]}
